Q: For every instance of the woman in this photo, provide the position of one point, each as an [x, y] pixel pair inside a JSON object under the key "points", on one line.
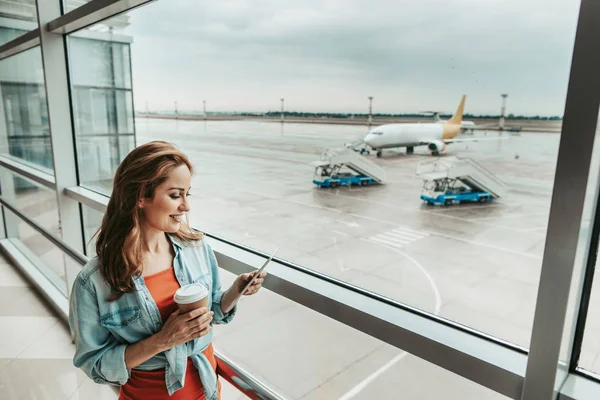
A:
{"points": [[126, 325]]}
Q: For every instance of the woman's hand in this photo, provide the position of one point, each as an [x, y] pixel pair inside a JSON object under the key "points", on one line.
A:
{"points": [[181, 328], [243, 279], [230, 297]]}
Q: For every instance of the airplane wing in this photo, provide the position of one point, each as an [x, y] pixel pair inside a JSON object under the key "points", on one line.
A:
{"points": [[425, 142], [464, 140]]}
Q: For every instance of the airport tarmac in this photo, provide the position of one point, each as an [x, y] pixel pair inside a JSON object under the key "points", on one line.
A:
{"points": [[255, 187], [475, 264]]}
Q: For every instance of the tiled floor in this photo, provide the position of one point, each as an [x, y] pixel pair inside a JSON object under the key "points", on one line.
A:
{"points": [[36, 350]]}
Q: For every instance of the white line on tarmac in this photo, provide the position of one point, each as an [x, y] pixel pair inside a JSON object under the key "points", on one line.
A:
{"points": [[399, 236], [432, 212], [341, 233], [403, 228], [389, 242], [509, 216], [407, 232], [340, 262], [394, 236], [440, 211], [491, 246], [436, 292], [358, 388], [438, 304]]}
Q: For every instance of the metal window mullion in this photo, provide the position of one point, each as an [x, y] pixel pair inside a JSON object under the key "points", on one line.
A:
{"points": [[20, 168], [89, 198], [24, 42], [62, 139], [90, 13], [566, 213], [10, 221]]}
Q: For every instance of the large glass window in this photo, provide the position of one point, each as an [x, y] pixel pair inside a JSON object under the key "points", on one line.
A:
{"points": [[70, 5], [590, 350], [220, 81], [18, 17], [24, 130], [92, 220], [102, 104], [38, 203], [35, 201]]}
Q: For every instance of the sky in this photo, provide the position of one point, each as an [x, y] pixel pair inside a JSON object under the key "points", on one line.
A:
{"points": [[330, 56]]}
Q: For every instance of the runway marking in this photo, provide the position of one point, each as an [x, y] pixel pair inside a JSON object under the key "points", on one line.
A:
{"points": [[399, 237], [441, 212], [511, 216], [459, 239], [363, 384], [340, 262], [341, 233], [391, 235], [388, 242], [438, 304]]}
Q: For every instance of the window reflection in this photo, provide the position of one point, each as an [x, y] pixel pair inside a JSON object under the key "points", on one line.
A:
{"points": [[17, 18], [103, 104], [39, 204], [24, 129], [589, 358]]}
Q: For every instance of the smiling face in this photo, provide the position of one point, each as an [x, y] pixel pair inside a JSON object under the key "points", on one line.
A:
{"points": [[164, 212]]}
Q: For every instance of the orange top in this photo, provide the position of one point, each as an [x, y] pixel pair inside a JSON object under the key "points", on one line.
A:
{"points": [[150, 385]]}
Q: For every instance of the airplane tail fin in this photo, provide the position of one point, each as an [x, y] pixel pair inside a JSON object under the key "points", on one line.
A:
{"points": [[458, 115]]}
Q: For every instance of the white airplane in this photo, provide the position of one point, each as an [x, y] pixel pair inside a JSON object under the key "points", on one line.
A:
{"points": [[434, 135]]}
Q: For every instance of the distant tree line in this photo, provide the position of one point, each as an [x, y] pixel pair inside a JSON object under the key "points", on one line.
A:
{"points": [[298, 114]]}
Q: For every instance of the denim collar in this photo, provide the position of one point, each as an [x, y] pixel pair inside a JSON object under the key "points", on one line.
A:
{"points": [[177, 245]]}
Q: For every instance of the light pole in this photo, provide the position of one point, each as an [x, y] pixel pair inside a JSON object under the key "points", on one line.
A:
{"points": [[503, 111], [282, 108], [176, 112], [204, 108], [370, 110], [147, 109]]}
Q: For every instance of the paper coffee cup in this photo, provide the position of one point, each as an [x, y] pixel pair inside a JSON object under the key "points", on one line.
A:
{"points": [[190, 297]]}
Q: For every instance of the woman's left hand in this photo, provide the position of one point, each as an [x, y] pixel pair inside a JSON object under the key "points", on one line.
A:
{"points": [[243, 279]]}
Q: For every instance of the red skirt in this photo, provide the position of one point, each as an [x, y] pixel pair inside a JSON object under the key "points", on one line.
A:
{"points": [[150, 385]]}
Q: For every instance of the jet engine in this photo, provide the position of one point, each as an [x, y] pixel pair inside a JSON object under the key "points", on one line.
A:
{"points": [[436, 147]]}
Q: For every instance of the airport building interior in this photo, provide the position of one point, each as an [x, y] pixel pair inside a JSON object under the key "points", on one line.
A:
{"points": [[380, 289]]}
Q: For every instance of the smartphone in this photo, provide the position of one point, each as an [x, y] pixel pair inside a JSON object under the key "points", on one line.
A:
{"points": [[257, 274]]}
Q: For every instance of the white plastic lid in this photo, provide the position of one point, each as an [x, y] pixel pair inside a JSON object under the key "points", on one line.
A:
{"points": [[190, 294]]}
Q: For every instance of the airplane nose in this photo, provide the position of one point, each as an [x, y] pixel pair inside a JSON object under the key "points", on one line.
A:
{"points": [[369, 138]]}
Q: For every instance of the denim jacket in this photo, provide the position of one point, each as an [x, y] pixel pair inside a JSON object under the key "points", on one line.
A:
{"points": [[103, 329]]}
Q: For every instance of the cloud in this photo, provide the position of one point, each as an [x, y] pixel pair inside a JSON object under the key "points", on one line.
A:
{"points": [[330, 55]]}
